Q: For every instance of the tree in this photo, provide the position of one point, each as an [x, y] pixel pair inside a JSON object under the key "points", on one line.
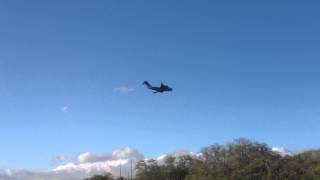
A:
{"points": [[107, 176], [242, 159]]}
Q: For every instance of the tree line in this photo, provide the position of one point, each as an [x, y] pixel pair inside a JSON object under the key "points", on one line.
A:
{"points": [[242, 159]]}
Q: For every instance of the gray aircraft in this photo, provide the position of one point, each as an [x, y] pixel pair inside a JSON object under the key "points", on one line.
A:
{"points": [[160, 89]]}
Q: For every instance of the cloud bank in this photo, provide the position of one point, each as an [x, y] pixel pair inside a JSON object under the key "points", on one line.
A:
{"points": [[84, 165]]}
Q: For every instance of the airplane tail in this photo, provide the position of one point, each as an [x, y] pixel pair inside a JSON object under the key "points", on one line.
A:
{"points": [[147, 84]]}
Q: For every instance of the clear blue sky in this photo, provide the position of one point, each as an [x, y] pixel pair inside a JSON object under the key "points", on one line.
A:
{"points": [[238, 69]]}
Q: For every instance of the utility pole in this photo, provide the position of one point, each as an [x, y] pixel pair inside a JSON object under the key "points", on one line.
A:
{"points": [[120, 171], [131, 169]]}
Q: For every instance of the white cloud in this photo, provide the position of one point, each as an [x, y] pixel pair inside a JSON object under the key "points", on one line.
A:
{"points": [[65, 109], [162, 157], [59, 160], [86, 157], [286, 152], [93, 167], [177, 154], [123, 90], [87, 163], [126, 152], [84, 165], [282, 151]]}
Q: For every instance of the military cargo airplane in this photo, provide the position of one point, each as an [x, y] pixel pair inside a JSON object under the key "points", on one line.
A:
{"points": [[160, 89]]}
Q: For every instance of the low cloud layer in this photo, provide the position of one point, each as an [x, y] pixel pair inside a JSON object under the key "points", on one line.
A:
{"points": [[89, 163], [85, 165]]}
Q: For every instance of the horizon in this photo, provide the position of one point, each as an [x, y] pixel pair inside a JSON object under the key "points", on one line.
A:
{"points": [[71, 75]]}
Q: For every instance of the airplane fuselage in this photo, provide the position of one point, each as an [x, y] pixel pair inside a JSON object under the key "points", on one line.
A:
{"points": [[160, 89]]}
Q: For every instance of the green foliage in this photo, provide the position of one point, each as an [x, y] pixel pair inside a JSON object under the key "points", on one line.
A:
{"points": [[107, 176], [242, 159]]}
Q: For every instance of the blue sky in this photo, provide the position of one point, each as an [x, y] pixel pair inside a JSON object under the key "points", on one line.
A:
{"points": [[238, 69]]}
